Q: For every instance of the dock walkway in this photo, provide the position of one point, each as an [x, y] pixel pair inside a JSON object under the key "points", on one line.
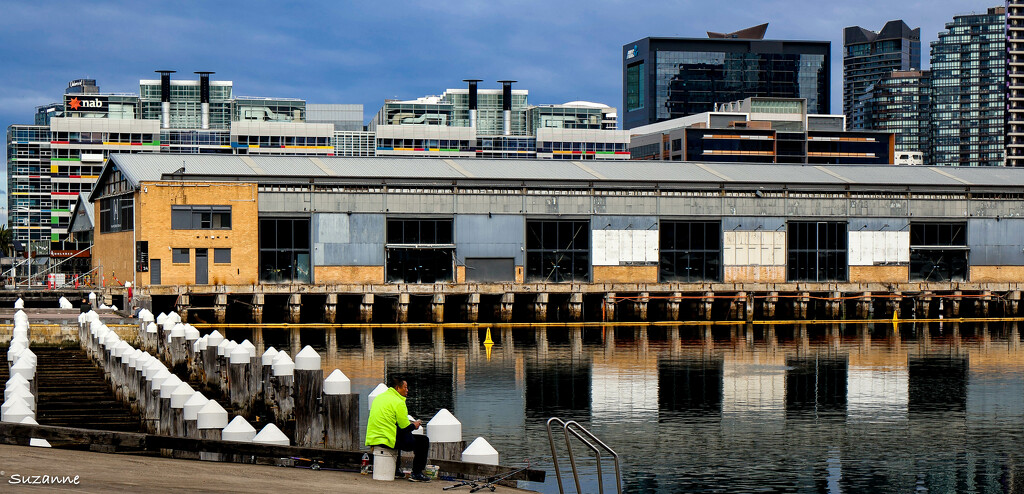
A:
{"points": [[104, 473]]}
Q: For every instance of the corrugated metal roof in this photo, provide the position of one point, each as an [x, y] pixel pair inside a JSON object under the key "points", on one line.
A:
{"points": [[148, 167]]}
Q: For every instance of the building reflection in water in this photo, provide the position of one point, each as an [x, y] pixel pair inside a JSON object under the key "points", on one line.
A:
{"points": [[938, 406]]}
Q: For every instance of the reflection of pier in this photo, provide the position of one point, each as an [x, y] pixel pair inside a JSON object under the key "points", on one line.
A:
{"points": [[544, 302], [862, 372]]}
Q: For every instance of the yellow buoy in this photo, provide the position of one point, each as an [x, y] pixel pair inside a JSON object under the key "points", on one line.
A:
{"points": [[895, 322], [488, 343]]}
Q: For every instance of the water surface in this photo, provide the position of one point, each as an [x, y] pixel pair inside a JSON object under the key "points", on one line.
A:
{"points": [[934, 407]]}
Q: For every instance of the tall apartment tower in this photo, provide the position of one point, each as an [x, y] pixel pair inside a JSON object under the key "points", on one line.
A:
{"points": [[868, 56], [1014, 83], [899, 103], [968, 66]]}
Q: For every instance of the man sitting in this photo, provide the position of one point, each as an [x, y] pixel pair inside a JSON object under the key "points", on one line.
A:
{"points": [[389, 426]]}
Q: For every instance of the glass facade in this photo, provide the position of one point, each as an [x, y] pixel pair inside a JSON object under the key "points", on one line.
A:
{"points": [[968, 68], [817, 251], [415, 113], [938, 252], [634, 86], [284, 250], [420, 251], [489, 116], [665, 78], [690, 251], [564, 117], [185, 106], [693, 82], [267, 110], [557, 251]]}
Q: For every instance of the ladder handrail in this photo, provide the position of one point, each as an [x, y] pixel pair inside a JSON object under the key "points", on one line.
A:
{"points": [[554, 457], [574, 428], [615, 456]]}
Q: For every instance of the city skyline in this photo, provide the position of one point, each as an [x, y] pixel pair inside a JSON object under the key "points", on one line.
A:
{"points": [[334, 54]]}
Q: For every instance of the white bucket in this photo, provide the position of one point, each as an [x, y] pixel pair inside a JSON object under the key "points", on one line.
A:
{"points": [[384, 463]]}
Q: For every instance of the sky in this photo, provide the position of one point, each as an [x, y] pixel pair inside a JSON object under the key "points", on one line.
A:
{"points": [[366, 51]]}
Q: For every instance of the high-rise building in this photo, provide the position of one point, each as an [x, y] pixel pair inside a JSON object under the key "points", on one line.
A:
{"points": [[49, 164], [968, 69], [497, 123], [868, 56], [899, 103], [666, 78], [1014, 83]]}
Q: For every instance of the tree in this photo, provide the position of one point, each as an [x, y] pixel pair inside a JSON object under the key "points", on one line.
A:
{"points": [[6, 241]]}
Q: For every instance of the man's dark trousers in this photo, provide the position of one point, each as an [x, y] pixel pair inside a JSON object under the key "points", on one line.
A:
{"points": [[405, 440]]}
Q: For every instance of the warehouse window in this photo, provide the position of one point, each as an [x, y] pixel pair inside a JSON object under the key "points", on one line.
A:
{"points": [[284, 250], [817, 251], [200, 217], [222, 256], [938, 251], [690, 251], [419, 251], [557, 251], [117, 214], [180, 256]]}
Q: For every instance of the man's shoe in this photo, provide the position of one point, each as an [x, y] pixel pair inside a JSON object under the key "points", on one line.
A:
{"points": [[418, 477]]}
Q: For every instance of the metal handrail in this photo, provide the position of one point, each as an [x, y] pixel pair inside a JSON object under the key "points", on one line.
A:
{"points": [[568, 428], [554, 457], [42, 274], [618, 472]]}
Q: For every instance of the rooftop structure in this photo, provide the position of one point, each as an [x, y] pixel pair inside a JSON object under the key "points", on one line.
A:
{"points": [[761, 130]]}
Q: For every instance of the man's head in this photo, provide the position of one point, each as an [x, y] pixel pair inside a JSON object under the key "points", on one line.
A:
{"points": [[398, 382]]}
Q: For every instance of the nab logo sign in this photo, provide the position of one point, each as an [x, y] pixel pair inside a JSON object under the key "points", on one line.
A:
{"points": [[86, 104], [631, 53]]}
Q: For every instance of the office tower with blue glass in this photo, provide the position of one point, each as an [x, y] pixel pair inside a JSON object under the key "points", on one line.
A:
{"points": [[665, 78], [968, 68]]}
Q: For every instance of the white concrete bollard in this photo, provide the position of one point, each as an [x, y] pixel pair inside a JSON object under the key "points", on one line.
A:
{"points": [[35, 442], [337, 384], [480, 451], [444, 428], [17, 412], [271, 435], [238, 430], [373, 394]]}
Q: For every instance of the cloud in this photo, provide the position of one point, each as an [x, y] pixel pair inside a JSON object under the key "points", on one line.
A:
{"points": [[364, 52]]}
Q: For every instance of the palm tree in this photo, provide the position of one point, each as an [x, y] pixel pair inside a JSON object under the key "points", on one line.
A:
{"points": [[6, 241]]}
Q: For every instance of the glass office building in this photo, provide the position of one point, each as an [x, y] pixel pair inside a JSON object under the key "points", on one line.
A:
{"points": [[968, 66], [869, 56], [666, 78]]}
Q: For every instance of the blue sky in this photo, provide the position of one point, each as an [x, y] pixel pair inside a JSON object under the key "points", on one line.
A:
{"points": [[364, 52]]}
